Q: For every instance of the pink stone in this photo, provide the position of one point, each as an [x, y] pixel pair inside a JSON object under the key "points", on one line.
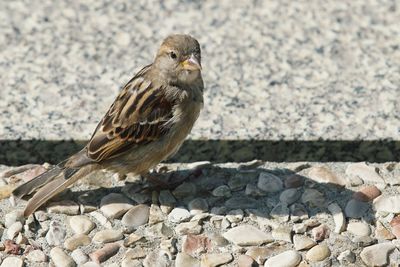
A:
{"points": [[367, 193]]}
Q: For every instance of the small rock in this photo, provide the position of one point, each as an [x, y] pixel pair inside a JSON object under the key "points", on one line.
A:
{"points": [[245, 261], [115, 205], [21, 239], [135, 253], [36, 256], [132, 239], [131, 263], [367, 193], [358, 229], [289, 196], [196, 244], [136, 216], [76, 241], [198, 205], [294, 181], [239, 181], [11, 248], [106, 236], [156, 215], [222, 191], [166, 199], [298, 212], [302, 242], [179, 214], [260, 254], [290, 258], [213, 260], [252, 190], [365, 172], [280, 212], [185, 189], [318, 253], [81, 224], [79, 257], [156, 258], [185, 260], [283, 233], [235, 216], [313, 198], [371, 257], [67, 207], [41, 215], [381, 232], [241, 202], [390, 204], [12, 261], [56, 234], [101, 219], [324, 175], [14, 216], [91, 264], [104, 253], [247, 235], [338, 217], [270, 183], [355, 208], [192, 227], [60, 258], [299, 228], [14, 229], [346, 257], [321, 232], [363, 241]]}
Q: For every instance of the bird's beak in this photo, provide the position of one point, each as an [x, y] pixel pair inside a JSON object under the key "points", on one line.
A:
{"points": [[191, 63]]}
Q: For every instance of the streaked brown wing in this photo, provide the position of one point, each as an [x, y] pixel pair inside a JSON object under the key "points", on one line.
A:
{"points": [[139, 115]]}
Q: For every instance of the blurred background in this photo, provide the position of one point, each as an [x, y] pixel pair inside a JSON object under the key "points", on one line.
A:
{"points": [[286, 80]]}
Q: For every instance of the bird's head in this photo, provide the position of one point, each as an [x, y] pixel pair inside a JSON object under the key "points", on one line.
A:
{"points": [[179, 58]]}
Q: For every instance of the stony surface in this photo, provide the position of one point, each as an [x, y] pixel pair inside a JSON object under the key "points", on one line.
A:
{"points": [[197, 224], [308, 70]]}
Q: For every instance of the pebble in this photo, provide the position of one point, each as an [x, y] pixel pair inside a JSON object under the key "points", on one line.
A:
{"points": [[346, 257], [313, 198], [132, 239], [131, 263], [365, 172], [235, 216], [67, 207], [280, 212], [91, 264], [136, 216], [290, 258], [363, 241], [105, 252], [215, 259], [36, 256], [56, 234], [14, 229], [283, 233], [241, 202], [269, 182], [320, 233], [318, 253], [60, 258], [156, 215], [166, 198], [371, 257], [185, 189], [222, 191], [338, 217], [367, 193], [302, 242], [179, 214], [156, 258], [390, 204], [299, 228], [101, 219], [359, 229], [135, 253], [298, 212], [381, 232], [254, 191], [12, 261], [198, 205], [106, 236], [247, 235], [14, 216], [81, 224], [245, 261], [76, 241], [195, 244], [192, 227], [323, 174], [115, 205], [294, 181], [355, 208], [79, 257], [289, 196]]}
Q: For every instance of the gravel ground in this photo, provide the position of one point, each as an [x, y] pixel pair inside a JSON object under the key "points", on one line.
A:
{"points": [[232, 214]]}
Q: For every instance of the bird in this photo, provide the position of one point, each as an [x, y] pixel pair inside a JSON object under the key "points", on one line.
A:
{"points": [[147, 123]]}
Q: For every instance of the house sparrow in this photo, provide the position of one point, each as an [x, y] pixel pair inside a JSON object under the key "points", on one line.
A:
{"points": [[146, 124]]}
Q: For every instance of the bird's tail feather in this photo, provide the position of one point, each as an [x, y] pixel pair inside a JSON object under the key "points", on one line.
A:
{"points": [[48, 191]]}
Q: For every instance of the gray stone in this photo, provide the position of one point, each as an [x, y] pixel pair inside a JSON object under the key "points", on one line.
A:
{"points": [[56, 234], [198, 205], [377, 255], [280, 212], [355, 208], [269, 183], [289, 196], [241, 202], [185, 189], [346, 257], [179, 214], [313, 198], [136, 216], [222, 191]]}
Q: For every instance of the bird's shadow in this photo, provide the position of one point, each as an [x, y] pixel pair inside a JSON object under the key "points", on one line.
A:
{"points": [[187, 184]]}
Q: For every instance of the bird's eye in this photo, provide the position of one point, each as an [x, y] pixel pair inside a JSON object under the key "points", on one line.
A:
{"points": [[172, 55]]}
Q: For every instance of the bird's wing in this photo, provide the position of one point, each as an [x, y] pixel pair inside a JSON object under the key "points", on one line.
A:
{"points": [[139, 115]]}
